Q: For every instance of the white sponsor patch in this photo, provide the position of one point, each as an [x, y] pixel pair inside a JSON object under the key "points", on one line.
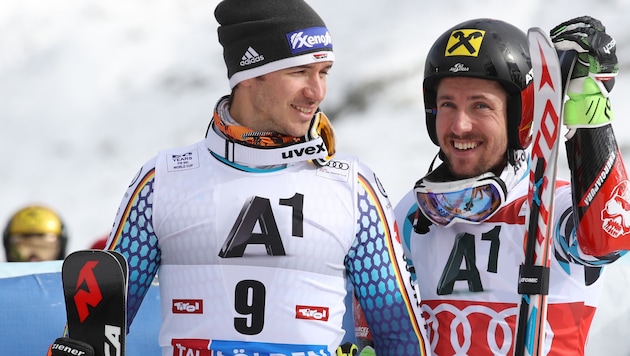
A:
{"points": [[184, 161]]}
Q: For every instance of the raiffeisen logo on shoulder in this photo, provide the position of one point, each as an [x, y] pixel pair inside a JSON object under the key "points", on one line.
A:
{"points": [[309, 39]]}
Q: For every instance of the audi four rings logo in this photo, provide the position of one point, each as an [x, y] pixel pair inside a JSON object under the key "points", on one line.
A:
{"points": [[497, 326], [339, 165]]}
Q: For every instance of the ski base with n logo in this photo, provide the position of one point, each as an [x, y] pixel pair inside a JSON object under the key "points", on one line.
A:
{"points": [[95, 292], [551, 72]]}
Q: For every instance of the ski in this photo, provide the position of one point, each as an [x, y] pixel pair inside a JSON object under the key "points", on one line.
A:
{"points": [[95, 292], [550, 72]]}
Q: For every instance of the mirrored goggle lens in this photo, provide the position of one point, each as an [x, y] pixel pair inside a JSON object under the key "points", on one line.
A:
{"points": [[469, 204]]}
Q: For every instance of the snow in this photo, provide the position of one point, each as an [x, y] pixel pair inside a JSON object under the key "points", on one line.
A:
{"points": [[89, 90]]}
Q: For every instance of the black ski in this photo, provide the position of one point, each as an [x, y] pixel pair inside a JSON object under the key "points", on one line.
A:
{"points": [[95, 291]]}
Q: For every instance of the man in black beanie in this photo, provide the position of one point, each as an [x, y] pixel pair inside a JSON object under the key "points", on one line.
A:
{"points": [[263, 36], [263, 236]]}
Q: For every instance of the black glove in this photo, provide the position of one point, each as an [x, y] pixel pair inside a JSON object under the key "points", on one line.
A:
{"points": [[64, 346], [596, 50], [593, 76]]}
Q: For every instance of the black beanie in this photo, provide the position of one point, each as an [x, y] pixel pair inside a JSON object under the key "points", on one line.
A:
{"points": [[263, 36]]}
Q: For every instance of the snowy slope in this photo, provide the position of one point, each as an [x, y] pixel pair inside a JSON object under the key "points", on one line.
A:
{"points": [[91, 89]]}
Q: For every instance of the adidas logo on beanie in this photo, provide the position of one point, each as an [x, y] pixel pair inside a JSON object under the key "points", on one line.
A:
{"points": [[263, 36]]}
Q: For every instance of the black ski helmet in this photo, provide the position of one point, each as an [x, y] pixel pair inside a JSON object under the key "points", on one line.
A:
{"points": [[487, 49]]}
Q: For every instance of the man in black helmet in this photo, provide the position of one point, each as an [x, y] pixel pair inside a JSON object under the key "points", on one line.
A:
{"points": [[463, 224], [260, 232]]}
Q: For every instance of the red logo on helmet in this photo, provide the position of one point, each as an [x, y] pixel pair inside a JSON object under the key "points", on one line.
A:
{"points": [[527, 116]]}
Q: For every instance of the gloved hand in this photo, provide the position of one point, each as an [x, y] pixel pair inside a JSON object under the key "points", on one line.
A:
{"points": [[593, 76], [347, 349]]}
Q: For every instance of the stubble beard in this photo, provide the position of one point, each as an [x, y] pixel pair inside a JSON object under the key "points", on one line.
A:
{"points": [[477, 169]]}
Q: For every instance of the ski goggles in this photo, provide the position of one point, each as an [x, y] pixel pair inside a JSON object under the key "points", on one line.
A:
{"points": [[320, 136], [321, 127], [470, 200], [34, 247]]}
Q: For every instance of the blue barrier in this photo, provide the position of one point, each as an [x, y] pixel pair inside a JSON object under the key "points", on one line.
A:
{"points": [[33, 312]]}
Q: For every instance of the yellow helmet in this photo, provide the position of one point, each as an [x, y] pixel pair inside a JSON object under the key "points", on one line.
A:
{"points": [[35, 220]]}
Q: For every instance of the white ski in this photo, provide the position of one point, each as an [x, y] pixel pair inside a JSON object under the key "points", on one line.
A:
{"points": [[533, 283]]}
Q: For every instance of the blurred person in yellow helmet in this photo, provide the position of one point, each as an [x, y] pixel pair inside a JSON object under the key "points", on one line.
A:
{"points": [[34, 233]]}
